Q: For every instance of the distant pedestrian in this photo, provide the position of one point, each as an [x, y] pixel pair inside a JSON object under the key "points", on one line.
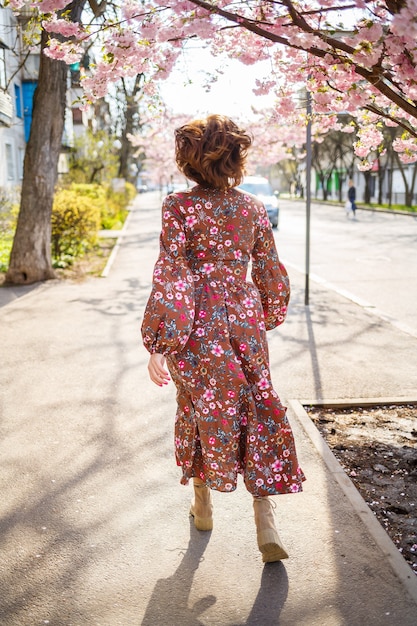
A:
{"points": [[352, 197], [208, 323]]}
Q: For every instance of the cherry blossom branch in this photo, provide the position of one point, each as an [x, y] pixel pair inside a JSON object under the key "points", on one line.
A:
{"points": [[399, 122], [375, 76]]}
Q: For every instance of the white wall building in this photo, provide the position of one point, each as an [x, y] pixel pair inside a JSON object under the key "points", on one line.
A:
{"points": [[12, 128], [18, 81]]}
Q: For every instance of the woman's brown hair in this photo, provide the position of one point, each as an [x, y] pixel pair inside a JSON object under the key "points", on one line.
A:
{"points": [[212, 152]]}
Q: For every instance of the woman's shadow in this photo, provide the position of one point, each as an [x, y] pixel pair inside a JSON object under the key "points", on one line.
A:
{"points": [[271, 596], [168, 604]]}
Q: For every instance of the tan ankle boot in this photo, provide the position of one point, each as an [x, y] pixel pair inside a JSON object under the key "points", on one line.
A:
{"points": [[201, 507], [269, 542]]}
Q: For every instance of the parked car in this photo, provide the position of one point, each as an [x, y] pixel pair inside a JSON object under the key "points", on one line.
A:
{"points": [[260, 187]]}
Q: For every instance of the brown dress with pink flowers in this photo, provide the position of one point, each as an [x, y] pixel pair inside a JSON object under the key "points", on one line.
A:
{"points": [[210, 322]]}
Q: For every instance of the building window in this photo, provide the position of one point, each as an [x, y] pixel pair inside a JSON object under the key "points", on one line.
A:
{"points": [[3, 75], [18, 101], [10, 162], [21, 162]]}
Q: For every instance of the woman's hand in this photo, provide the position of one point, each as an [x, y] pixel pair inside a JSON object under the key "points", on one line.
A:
{"points": [[156, 368]]}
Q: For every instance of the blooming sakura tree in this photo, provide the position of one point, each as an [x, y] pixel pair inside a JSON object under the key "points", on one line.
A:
{"points": [[156, 142], [30, 259], [355, 56]]}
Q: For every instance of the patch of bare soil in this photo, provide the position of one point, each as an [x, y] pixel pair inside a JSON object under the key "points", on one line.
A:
{"points": [[91, 264], [377, 447]]}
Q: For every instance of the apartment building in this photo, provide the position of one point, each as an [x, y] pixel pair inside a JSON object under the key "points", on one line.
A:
{"points": [[19, 71], [16, 91]]}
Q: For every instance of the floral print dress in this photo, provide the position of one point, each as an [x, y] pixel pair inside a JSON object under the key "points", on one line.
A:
{"points": [[210, 322]]}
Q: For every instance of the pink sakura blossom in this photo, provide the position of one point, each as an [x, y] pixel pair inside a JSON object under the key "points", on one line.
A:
{"points": [[405, 145], [370, 32], [63, 27], [408, 157], [365, 166], [64, 51], [370, 138], [49, 6], [360, 150], [147, 40], [263, 86]]}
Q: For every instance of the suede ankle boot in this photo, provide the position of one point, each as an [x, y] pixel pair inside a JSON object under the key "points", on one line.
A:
{"points": [[202, 508], [269, 542]]}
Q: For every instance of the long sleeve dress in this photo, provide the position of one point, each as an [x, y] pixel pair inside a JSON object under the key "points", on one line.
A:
{"points": [[210, 322]]}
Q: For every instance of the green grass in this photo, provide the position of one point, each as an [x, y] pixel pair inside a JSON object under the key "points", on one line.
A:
{"points": [[6, 241], [393, 207], [8, 220], [372, 205]]}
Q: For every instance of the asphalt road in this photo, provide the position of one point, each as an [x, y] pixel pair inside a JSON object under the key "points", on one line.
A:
{"points": [[371, 260]]}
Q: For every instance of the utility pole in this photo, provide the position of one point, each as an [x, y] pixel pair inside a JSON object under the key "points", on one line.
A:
{"points": [[308, 197]]}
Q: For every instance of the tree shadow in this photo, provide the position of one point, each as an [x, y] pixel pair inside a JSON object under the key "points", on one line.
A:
{"points": [[169, 600]]}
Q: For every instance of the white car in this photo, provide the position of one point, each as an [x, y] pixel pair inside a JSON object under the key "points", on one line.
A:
{"points": [[261, 187]]}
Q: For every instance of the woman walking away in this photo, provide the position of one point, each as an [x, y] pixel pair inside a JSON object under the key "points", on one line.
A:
{"points": [[208, 323]]}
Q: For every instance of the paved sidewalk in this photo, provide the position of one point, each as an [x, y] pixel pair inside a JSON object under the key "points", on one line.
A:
{"points": [[94, 525]]}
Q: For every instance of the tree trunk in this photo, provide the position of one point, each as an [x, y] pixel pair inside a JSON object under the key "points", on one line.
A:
{"points": [[126, 148], [130, 123], [30, 259], [409, 190], [367, 194], [404, 177]]}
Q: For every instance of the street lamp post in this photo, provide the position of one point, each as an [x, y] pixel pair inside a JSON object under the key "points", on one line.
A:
{"points": [[308, 197]]}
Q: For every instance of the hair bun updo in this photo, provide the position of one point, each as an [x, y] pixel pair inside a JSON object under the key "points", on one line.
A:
{"points": [[212, 152]]}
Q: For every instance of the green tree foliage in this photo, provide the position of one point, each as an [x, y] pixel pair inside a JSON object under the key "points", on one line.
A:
{"points": [[94, 159]]}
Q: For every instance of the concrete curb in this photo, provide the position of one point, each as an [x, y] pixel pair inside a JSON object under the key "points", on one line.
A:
{"points": [[368, 402], [400, 567], [336, 203]]}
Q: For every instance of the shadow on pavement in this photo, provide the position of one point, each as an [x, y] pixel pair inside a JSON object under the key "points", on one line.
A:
{"points": [[271, 596], [169, 600]]}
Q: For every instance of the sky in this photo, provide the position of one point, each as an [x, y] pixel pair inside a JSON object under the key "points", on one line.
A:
{"points": [[185, 91]]}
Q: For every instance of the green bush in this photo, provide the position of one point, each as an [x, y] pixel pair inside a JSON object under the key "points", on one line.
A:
{"points": [[78, 213], [9, 210], [96, 192], [116, 206], [75, 224]]}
